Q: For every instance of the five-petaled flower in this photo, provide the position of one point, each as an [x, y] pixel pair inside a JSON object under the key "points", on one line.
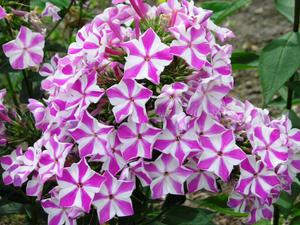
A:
{"points": [[26, 50], [220, 154], [52, 11], [256, 178], [179, 143], [146, 58], [113, 198], [91, 136], [78, 185], [269, 145], [168, 176], [137, 139], [129, 99], [169, 102], [191, 45], [52, 160]]}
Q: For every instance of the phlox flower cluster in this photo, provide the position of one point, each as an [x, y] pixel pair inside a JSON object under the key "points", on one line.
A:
{"points": [[141, 100]]}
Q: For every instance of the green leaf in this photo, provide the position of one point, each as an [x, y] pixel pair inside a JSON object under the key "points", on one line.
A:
{"points": [[295, 221], [285, 203], [295, 119], [218, 204], [41, 3], [183, 215], [286, 8], [244, 60], [11, 208], [215, 6], [59, 3], [278, 62], [223, 9], [294, 85], [263, 222]]}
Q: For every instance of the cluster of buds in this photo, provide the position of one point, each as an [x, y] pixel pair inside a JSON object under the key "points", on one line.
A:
{"points": [[141, 99]]}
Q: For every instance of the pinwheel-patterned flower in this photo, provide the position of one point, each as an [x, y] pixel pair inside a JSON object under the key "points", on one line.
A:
{"points": [[220, 154], [136, 169], [91, 136], [26, 50], [78, 186], [113, 160], [168, 176], [206, 125], [9, 164], [220, 60], [84, 92], [58, 215], [268, 144], [239, 202], [26, 163], [176, 142], [129, 99], [190, 45], [260, 210], [146, 58], [114, 198], [208, 96], [169, 102], [51, 10], [137, 139], [256, 179], [40, 114], [52, 159], [200, 179]]}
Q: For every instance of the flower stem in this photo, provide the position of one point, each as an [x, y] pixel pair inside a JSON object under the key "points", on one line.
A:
{"points": [[276, 215], [12, 91], [295, 29], [27, 83]]}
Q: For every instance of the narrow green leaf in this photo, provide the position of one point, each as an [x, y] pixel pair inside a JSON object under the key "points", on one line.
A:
{"points": [[41, 3], [183, 215], [263, 222], [244, 60], [295, 221], [286, 8], [218, 204], [215, 6], [224, 9], [295, 119], [295, 85], [11, 208], [59, 3], [278, 62], [285, 203]]}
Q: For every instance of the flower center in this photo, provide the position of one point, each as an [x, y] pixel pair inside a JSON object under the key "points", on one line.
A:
{"points": [[147, 58], [220, 153], [79, 185], [139, 136], [166, 173], [111, 197]]}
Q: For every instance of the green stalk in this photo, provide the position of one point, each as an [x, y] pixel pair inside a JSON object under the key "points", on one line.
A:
{"points": [[12, 91], [276, 215], [295, 29], [27, 83]]}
